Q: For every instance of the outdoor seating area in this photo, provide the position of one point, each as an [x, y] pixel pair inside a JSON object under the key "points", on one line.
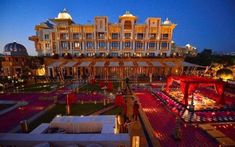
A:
{"points": [[164, 123], [33, 107], [199, 116], [222, 133]]}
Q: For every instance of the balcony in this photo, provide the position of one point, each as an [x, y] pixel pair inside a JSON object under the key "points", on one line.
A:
{"points": [[33, 38]]}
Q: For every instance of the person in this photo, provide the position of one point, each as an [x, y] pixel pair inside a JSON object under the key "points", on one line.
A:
{"points": [[127, 122], [127, 80], [120, 122], [125, 110], [135, 111]]}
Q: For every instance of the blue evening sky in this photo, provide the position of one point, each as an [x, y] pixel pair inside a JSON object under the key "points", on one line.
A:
{"points": [[202, 23]]}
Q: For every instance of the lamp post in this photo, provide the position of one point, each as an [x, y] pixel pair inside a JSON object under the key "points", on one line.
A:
{"points": [[191, 106], [68, 110]]}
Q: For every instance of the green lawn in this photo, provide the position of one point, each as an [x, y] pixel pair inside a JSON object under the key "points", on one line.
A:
{"points": [[113, 111], [90, 87], [76, 109], [39, 87], [95, 87]]}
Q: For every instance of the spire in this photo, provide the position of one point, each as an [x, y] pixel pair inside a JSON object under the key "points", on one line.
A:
{"points": [[128, 12], [167, 21], [64, 10]]}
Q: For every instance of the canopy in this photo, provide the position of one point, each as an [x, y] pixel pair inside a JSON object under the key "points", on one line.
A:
{"points": [[70, 64], [113, 64], [156, 64], [119, 100], [99, 64], [142, 64], [128, 63], [55, 64], [187, 64], [85, 64], [170, 64], [188, 84]]}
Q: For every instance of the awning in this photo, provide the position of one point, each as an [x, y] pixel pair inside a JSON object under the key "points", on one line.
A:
{"points": [[55, 64], [113, 64], [156, 64], [70, 64], [84, 64], [142, 64], [129, 63], [187, 64], [99, 64], [170, 64]]}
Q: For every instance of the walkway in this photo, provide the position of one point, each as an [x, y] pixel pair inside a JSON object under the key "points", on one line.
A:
{"points": [[163, 123]]}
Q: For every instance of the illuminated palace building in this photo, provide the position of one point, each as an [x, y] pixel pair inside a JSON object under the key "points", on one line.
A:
{"points": [[106, 50], [61, 35]]}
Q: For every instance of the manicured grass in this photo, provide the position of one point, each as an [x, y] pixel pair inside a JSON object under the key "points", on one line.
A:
{"points": [[76, 109], [90, 87], [38, 87], [5, 106], [95, 87], [113, 111]]}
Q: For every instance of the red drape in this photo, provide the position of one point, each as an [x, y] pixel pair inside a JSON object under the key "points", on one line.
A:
{"points": [[119, 100], [192, 88], [184, 88], [92, 81], [71, 98], [101, 84], [205, 84], [169, 83], [220, 91], [110, 86]]}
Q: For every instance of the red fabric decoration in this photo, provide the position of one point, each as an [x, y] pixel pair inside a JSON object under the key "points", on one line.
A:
{"points": [[92, 81], [220, 91], [169, 83], [110, 86], [192, 88], [71, 98], [184, 87], [119, 100], [101, 84]]}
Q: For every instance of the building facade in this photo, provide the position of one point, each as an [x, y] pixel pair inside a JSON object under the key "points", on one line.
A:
{"points": [[184, 51], [102, 38]]}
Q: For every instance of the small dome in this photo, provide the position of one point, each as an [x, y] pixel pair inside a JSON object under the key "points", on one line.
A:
{"points": [[128, 14], [64, 15], [15, 49], [188, 45], [167, 22]]}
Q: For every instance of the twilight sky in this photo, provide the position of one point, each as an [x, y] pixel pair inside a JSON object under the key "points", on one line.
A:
{"points": [[202, 23]]}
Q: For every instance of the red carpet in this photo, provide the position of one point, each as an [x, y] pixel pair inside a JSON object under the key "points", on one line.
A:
{"points": [[163, 123]]}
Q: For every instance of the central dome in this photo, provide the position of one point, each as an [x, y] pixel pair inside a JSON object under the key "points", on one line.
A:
{"points": [[64, 15], [15, 49], [128, 14], [167, 22]]}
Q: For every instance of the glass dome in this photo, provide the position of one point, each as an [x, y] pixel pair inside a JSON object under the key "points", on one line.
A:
{"points": [[15, 49]]}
